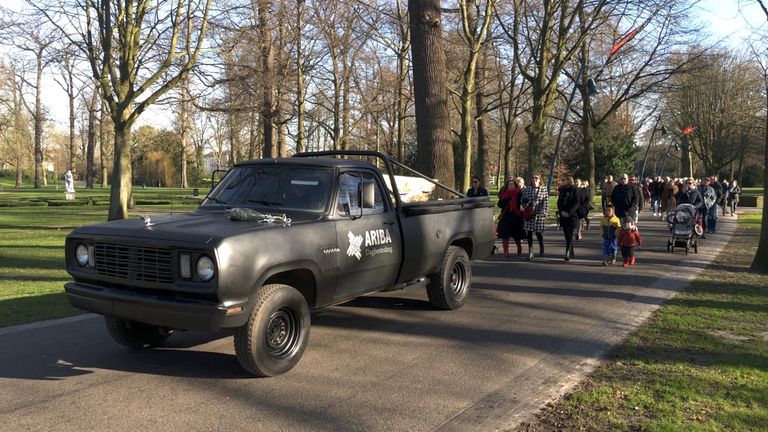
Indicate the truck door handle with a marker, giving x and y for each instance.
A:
(388, 223)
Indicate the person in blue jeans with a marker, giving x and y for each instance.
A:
(610, 226)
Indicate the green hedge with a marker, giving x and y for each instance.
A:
(63, 203)
(152, 202)
(23, 203)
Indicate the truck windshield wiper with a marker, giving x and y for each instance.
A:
(265, 202)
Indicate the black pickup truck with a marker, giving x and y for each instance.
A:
(274, 239)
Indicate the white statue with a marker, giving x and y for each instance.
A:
(69, 182)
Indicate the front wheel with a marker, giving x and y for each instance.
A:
(448, 289)
(273, 340)
(134, 334)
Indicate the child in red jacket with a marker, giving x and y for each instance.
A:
(629, 238)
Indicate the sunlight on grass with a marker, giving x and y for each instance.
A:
(699, 364)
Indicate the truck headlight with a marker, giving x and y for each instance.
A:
(205, 268)
(81, 255)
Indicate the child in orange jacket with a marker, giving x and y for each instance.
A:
(629, 239)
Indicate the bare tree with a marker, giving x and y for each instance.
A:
(34, 38)
(15, 130)
(474, 33)
(718, 98)
(545, 37)
(138, 51)
(93, 111)
(67, 67)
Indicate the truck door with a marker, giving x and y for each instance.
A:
(369, 237)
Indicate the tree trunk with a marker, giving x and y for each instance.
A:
(467, 123)
(401, 106)
(299, 79)
(72, 151)
(535, 132)
(433, 123)
(587, 118)
(760, 263)
(38, 120)
(102, 140)
(184, 123)
(19, 173)
(402, 81)
(268, 90)
(91, 147)
(120, 193)
(483, 150)
(686, 164)
(345, 105)
(336, 103)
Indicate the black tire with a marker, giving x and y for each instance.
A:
(273, 340)
(695, 247)
(134, 334)
(448, 289)
(669, 245)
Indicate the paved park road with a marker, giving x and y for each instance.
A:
(386, 362)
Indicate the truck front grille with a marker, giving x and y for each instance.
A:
(134, 262)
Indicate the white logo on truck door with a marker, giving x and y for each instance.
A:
(375, 241)
(355, 242)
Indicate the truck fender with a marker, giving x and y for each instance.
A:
(463, 240)
(301, 275)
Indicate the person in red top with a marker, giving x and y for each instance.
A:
(629, 239)
(511, 218)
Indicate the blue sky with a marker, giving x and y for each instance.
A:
(731, 19)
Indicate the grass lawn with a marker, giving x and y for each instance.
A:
(32, 274)
(699, 364)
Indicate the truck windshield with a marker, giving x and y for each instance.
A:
(283, 188)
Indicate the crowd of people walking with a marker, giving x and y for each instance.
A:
(524, 210)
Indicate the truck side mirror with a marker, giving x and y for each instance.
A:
(214, 182)
(367, 194)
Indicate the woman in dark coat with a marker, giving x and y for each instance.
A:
(511, 218)
(585, 204)
(568, 204)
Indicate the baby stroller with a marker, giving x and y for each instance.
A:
(684, 223)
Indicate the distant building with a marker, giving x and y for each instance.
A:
(216, 160)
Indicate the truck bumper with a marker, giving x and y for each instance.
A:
(151, 309)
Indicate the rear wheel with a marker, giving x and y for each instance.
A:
(448, 289)
(136, 335)
(273, 340)
(696, 247)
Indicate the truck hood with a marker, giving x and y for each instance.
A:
(201, 227)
